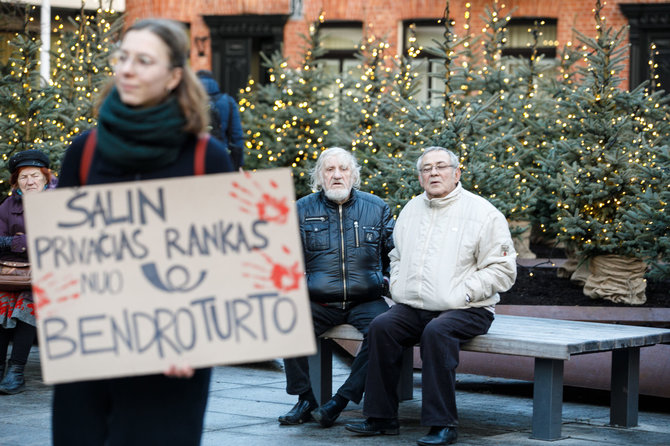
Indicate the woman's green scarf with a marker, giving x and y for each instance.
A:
(140, 139)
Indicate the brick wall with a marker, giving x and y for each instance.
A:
(383, 17)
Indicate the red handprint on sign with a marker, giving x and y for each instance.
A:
(48, 281)
(267, 208)
(281, 277)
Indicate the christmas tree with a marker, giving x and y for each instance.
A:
(504, 158)
(609, 180)
(45, 114)
(397, 138)
(82, 64)
(610, 134)
(654, 207)
(30, 113)
(547, 125)
(494, 159)
(561, 144)
(290, 119)
(455, 122)
(654, 210)
(363, 112)
(529, 116)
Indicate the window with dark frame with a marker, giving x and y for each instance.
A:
(340, 39)
(419, 34)
(520, 38)
(649, 24)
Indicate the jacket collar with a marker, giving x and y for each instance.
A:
(443, 201)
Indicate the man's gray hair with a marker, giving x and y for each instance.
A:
(345, 157)
(452, 156)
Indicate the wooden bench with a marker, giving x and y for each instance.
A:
(550, 342)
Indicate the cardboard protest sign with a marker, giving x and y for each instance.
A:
(130, 278)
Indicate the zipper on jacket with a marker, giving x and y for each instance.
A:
(344, 267)
(358, 241)
(424, 249)
(315, 218)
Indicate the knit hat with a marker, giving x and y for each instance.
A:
(25, 158)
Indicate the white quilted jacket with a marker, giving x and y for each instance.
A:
(452, 252)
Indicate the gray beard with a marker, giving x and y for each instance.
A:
(337, 195)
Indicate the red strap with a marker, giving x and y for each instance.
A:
(87, 156)
(199, 158)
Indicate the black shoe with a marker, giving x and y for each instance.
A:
(375, 426)
(13, 382)
(439, 435)
(301, 412)
(328, 413)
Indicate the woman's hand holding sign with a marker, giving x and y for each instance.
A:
(179, 372)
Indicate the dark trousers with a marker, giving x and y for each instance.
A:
(440, 335)
(142, 410)
(360, 316)
(22, 337)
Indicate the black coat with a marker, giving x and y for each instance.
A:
(346, 247)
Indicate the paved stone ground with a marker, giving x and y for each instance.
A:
(246, 400)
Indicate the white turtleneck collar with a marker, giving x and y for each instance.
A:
(443, 201)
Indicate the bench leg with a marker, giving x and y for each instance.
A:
(625, 387)
(321, 370)
(547, 399)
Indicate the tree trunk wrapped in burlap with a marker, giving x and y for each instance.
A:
(617, 278)
(581, 274)
(567, 268)
(573, 268)
(521, 231)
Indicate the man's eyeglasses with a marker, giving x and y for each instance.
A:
(440, 167)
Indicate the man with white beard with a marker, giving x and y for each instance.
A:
(346, 236)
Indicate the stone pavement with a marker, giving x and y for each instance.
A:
(246, 400)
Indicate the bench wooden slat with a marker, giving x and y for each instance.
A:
(344, 331)
(559, 339)
(545, 338)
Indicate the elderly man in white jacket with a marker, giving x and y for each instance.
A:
(453, 254)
